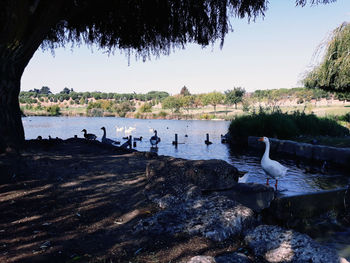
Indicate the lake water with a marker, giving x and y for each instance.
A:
(192, 147)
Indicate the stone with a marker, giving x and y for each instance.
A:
(214, 217)
(276, 244)
(285, 146)
(294, 211)
(233, 258)
(202, 259)
(252, 195)
(184, 179)
(304, 150)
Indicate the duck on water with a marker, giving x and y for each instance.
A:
(154, 139)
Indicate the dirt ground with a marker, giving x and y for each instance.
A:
(78, 201)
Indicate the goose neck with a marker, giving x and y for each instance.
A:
(267, 150)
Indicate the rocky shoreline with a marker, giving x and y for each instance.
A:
(85, 201)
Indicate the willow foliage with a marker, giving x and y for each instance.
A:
(144, 26)
(333, 73)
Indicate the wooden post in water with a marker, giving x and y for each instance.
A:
(175, 142)
(207, 142)
(130, 141)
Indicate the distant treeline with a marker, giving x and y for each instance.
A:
(101, 103)
(39, 95)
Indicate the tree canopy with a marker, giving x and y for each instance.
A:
(234, 96)
(333, 73)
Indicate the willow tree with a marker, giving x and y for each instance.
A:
(145, 27)
(333, 73)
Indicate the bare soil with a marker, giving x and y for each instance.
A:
(78, 201)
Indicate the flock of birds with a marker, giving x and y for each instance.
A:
(154, 140)
(272, 168)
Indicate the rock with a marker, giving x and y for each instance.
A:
(304, 150)
(214, 217)
(183, 179)
(233, 258)
(276, 244)
(254, 196)
(294, 211)
(227, 258)
(201, 259)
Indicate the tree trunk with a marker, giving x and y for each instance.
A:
(11, 128)
(26, 25)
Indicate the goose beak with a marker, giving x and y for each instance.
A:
(261, 139)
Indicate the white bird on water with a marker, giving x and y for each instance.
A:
(271, 167)
(129, 130)
(119, 129)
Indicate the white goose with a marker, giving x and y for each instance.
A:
(271, 167)
(119, 129)
(129, 130)
(107, 140)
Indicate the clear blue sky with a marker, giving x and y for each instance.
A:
(272, 52)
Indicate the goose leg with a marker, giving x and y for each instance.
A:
(267, 181)
(276, 184)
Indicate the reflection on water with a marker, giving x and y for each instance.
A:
(191, 137)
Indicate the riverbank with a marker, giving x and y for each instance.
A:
(78, 201)
(81, 201)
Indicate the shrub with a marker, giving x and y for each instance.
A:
(345, 117)
(146, 107)
(162, 114)
(284, 126)
(54, 110)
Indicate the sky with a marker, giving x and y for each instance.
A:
(273, 52)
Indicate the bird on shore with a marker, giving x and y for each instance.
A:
(107, 140)
(89, 136)
(154, 139)
(271, 167)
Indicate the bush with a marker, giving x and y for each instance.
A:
(54, 110)
(206, 116)
(162, 114)
(284, 126)
(345, 117)
(146, 107)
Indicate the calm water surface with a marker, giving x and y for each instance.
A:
(192, 147)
